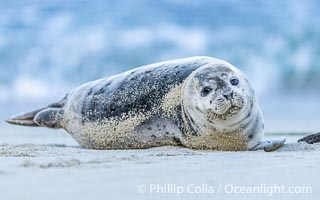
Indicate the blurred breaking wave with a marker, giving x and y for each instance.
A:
(48, 47)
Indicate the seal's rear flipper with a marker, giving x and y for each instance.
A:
(21, 122)
(311, 139)
(24, 119)
(47, 117)
(50, 117)
(269, 145)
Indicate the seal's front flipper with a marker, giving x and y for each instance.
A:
(50, 117)
(311, 139)
(269, 145)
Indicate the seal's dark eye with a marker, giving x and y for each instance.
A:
(205, 91)
(234, 81)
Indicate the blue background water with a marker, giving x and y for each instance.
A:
(49, 47)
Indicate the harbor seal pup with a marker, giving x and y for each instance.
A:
(197, 102)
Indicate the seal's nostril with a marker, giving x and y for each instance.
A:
(228, 96)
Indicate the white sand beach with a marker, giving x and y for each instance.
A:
(45, 164)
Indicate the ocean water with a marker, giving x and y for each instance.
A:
(48, 47)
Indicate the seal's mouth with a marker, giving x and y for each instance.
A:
(233, 110)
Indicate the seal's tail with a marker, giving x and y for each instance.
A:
(49, 116)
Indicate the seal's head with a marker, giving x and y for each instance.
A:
(216, 93)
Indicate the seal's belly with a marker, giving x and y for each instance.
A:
(133, 132)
